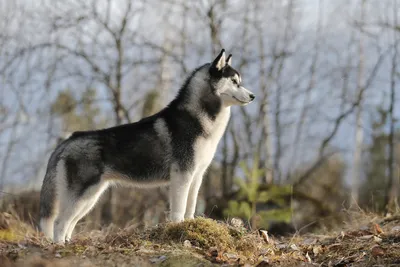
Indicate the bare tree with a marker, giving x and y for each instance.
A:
(359, 136)
(281, 56)
(311, 85)
(266, 136)
(392, 192)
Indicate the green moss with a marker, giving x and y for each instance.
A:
(201, 232)
(8, 235)
(78, 249)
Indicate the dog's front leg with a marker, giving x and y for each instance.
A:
(194, 192)
(178, 195)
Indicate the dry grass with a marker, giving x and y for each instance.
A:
(367, 241)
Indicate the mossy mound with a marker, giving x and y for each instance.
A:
(210, 235)
(201, 232)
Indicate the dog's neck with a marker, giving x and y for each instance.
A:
(196, 97)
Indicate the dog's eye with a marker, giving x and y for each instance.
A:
(235, 82)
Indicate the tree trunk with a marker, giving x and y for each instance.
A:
(359, 135)
(392, 191)
(265, 108)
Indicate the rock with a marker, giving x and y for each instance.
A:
(236, 222)
(395, 228)
(158, 259)
(231, 256)
(309, 241)
(281, 246)
(187, 244)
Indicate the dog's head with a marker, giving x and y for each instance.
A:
(227, 82)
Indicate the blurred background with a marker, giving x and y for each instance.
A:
(322, 136)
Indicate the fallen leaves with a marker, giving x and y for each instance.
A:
(317, 250)
(377, 229)
(218, 256)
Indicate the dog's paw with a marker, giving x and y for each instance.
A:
(176, 217)
(189, 217)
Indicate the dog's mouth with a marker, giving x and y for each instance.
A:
(237, 99)
(240, 101)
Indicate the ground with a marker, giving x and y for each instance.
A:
(371, 241)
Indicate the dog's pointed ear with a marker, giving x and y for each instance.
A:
(219, 62)
(229, 60)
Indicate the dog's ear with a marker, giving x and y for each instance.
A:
(219, 62)
(229, 60)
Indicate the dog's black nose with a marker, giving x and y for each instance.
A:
(252, 97)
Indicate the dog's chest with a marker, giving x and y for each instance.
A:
(205, 147)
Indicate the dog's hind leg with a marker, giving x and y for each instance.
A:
(74, 221)
(90, 198)
(69, 209)
(49, 200)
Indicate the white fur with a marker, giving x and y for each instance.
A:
(229, 61)
(162, 131)
(116, 178)
(72, 209)
(184, 187)
(194, 191)
(205, 149)
(47, 226)
(222, 61)
(178, 193)
(89, 200)
(232, 94)
(200, 80)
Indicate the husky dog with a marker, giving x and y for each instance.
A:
(173, 147)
